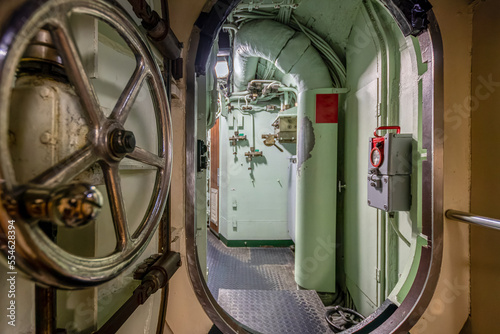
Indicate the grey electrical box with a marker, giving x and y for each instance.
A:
(389, 172)
(392, 193)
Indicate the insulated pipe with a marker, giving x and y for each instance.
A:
(293, 54)
(290, 51)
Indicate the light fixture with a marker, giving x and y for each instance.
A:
(222, 69)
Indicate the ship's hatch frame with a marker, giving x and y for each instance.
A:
(387, 319)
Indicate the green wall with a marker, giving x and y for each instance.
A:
(253, 203)
(382, 75)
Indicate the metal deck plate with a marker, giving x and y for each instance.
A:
(256, 286)
(276, 312)
(248, 268)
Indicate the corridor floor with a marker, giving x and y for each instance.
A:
(256, 286)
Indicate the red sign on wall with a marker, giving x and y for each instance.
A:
(327, 108)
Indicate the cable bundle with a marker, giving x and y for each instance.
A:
(284, 15)
(340, 318)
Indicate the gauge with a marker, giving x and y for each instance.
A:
(376, 157)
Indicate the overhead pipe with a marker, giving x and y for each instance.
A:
(292, 53)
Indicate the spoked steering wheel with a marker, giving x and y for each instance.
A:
(108, 143)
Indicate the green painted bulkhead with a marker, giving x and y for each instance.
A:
(253, 202)
(314, 192)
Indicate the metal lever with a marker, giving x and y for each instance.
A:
(270, 140)
(71, 205)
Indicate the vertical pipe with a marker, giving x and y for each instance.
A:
(316, 205)
(45, 309)
(253, 131)
(45, 298)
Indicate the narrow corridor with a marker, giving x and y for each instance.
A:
(256, 286)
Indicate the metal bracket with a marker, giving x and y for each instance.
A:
(154, 272)
(202, 162)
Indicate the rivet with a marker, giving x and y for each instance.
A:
(44, 92)
(45, 137)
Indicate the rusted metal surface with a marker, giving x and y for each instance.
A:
(306, 142)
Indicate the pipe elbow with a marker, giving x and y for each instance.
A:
(290, 51)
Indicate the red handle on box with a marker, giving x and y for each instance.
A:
(386, 128)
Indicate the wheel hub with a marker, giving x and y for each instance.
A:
(121, 142)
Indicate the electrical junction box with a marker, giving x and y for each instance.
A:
(389, 171)
(286, 126)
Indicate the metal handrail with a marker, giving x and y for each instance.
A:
(473, 219)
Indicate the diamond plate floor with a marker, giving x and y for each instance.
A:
(257, 287)
(276, 312)
(248, 268)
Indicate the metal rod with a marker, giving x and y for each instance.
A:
(473, 219)
(45, 310)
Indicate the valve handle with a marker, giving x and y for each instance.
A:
(394, 127)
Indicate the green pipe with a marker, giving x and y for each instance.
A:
(316, 209)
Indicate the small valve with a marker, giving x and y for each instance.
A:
(237, 137)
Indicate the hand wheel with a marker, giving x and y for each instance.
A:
(108, 143)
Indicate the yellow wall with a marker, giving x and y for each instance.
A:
(449, 307)
(485, 196)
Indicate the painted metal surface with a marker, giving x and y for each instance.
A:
(316, 207)
(374, 60)
(253, 201)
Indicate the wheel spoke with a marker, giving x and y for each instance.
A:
(115, 196)
(61, 34)
(147, 158)
(129, 94)
(67, 169)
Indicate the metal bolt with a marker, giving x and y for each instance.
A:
(385, 207)
(369, 203)
(385, 180)
(122, 141)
